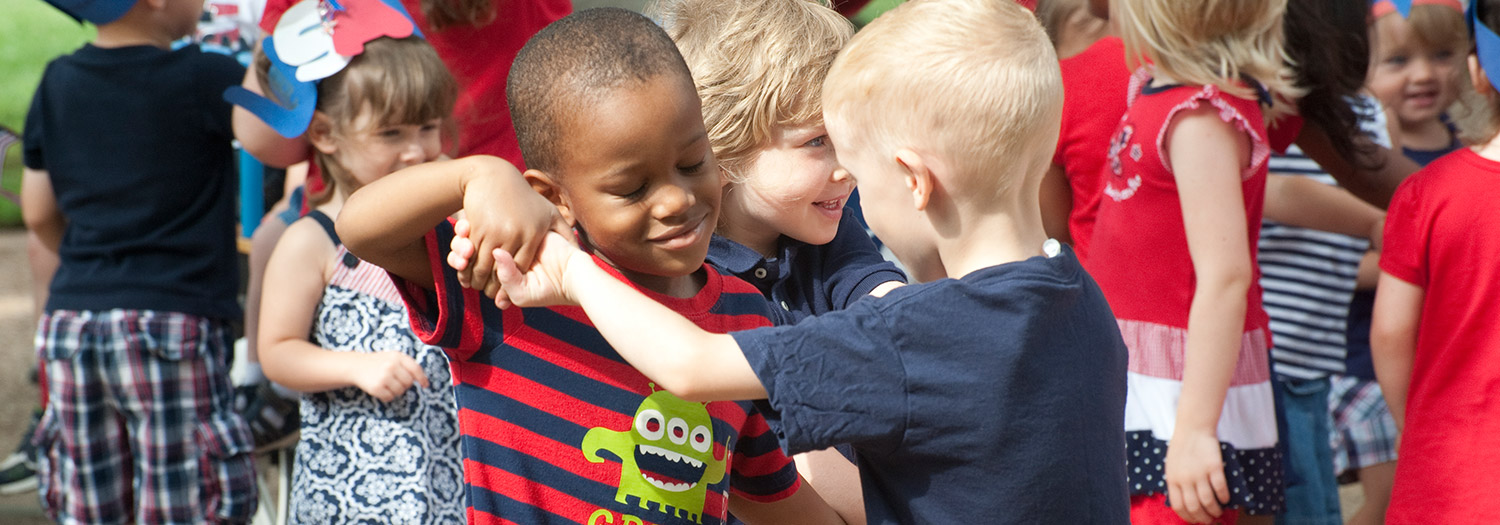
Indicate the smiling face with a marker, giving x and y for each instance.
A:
(793, 186)
(637, 176)
(1415, 79)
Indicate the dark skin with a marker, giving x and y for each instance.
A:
(636, 194)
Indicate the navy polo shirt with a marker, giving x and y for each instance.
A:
(137, 144)
(995, 398)
(805, 279)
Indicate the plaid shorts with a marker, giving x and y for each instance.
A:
(148, 393)
(1363, 432)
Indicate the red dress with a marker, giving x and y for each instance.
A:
(1140, 258)
(1095, 85)
(1443, 234)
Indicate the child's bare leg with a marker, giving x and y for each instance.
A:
(1375, 481)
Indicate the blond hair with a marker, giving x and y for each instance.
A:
(1205, 42)
(757, 64)
(974, 82)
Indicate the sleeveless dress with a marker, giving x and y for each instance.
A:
(1140, 259)
(360, 460)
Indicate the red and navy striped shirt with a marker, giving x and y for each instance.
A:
(558, 428)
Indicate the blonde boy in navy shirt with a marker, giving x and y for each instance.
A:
(984, 395)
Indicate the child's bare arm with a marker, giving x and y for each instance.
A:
(387, 221)
(258, 139)
(293, 289)
(39, 208)
(1393, 339)
(1208, 183)
(1306, 203)
(838, 479)
(805, 507)
(662, 344)
(1374, 186)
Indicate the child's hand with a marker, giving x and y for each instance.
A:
(544, 282)
(501, 211)
(1195, 476)
(387, 375)
(461, 253)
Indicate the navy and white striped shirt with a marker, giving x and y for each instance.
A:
(1308, 277)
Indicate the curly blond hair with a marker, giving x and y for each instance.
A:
(757, 65)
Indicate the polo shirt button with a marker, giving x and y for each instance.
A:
(760, 273)
(785, 307)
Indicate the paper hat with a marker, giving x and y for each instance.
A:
(1486, 45)
(97, 12)
(1380, 8)
(313, 40)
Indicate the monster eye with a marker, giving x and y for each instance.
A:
(701, 439)
(677, 430)
(648, 424)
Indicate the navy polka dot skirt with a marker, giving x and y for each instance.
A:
(1254, 475)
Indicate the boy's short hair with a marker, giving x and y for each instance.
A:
(974, 81)
(567, 66)
(757, 64)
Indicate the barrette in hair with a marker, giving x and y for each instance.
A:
(312, 40)
(1380, 8)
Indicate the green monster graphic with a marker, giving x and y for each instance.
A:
(666, 457)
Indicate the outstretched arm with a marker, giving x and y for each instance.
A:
(387, 221)
(682, 358)
(1306, 203)
(804, 507)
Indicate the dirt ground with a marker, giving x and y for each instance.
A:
(18, 396)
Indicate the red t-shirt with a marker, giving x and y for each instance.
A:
(1095, 85)
(479, 58)
(1443, 234)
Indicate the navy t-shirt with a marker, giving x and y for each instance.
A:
(136, 142)
(806, 279)
(995, 398)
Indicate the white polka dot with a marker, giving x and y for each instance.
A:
(1148, 477)
(1138, 470)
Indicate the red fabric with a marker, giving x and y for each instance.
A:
(534, 383)
(1283, 132)
(1153, 510)
(1443, 234)
(480, 59)
(1095, 85)
(1139, 252)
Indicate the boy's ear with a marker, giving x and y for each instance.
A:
(320, 133)
(156, 4)
(546, 185)
(917, 174)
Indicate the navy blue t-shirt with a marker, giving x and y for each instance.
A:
(806, 279)
(136, 142)
(995, 398)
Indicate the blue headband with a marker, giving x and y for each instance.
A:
(1486, 45)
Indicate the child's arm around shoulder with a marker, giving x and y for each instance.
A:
(386, 223)
(661, 343)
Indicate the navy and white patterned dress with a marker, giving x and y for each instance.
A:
(361, 460)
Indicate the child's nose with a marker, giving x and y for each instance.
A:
(840, 175)
(672, 199)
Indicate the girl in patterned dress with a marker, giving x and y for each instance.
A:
(379, 424)
(1174, 251)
